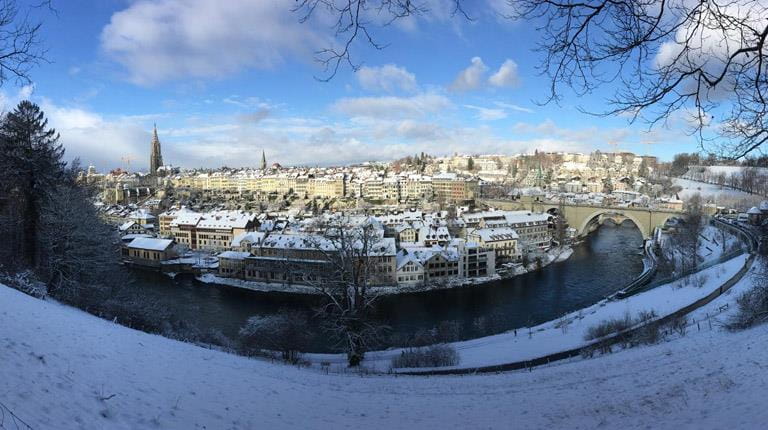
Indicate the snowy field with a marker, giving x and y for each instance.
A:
(721, 196)
(64, 369)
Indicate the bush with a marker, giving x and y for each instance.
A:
(609, 326)
(429, 356)
(699, 280)
(287, 331)
(617, 325)
(752, 308)
(679, 325)
(25, 282)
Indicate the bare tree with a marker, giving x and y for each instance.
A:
(358, 19)
(286, 331)
(20, 45)
(665, 57)
(353, 261)
(688, 238)
(668, 55)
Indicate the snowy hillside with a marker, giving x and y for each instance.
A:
(61, 368)
(715, 193)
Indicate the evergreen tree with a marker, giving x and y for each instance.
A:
(51, 224)
(643, 169)
(30, 168)
(470, 164)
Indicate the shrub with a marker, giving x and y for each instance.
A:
(679, 325)
(699, 280)
(649, 334)
(429, 356)
(287, 331)
(752, 308)
(609, 326)
(617, 325)
(25, 282)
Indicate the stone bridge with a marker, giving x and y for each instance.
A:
(584, 217)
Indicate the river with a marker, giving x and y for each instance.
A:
(602, 264)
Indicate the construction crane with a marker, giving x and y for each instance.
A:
(127, 160)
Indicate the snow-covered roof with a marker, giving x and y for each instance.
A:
(495, 234)
(754, 211)
(249, 236)
(126, 225)
(150, 243)
(234, 255)
(422, 254)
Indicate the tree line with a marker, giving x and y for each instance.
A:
(48, 221)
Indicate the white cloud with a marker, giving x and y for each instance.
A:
(470, 78)
(388, 78)
(487, 114)
(391, 106)
(171, 39)
(7, 102)
(506, 76)
(514, 107)
(95, 139)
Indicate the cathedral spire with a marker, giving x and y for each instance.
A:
(156, 157)
(263, 160)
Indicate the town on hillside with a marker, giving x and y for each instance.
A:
(448, 221)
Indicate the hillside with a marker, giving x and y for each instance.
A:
(62, 368)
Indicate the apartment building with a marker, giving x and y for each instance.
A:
(449, 188)
(503, 241)
(213, 231)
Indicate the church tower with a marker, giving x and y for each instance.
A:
(263, 160)
(156, 159)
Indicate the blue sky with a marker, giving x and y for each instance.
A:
(224, 80)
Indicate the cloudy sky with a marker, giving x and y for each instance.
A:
(225, 80)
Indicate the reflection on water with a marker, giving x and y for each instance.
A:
(606, 261)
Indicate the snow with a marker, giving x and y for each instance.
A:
(550, 337)
(713, 192)
(150, 243)
(63, 368)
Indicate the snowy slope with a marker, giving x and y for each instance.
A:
(56, 363)
(712, 192)
(550, 337)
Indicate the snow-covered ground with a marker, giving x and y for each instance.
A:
(63, 369)
(721, 196)
(567, 332)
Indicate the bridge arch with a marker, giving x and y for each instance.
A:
(644, 227)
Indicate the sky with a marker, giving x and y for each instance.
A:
(224, 80)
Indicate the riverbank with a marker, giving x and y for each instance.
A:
(63, 368)
(565, 333)
(554, 255)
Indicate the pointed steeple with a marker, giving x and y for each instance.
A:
(156, 157)
(263, 160)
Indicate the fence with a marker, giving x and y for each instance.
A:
(623, 335)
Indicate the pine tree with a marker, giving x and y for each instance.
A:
(30, 168)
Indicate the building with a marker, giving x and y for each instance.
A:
(503, 241)
(245, 241)
(304, 259)
(450, 188)
(232, 264)
(213, 231)
(156, 156)
(476, 260)
(533, 229)
(148, 252)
